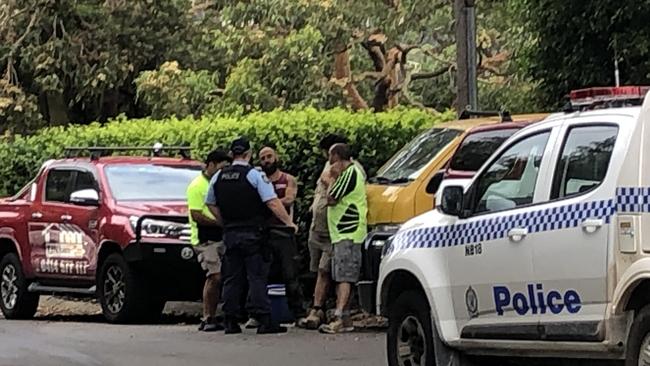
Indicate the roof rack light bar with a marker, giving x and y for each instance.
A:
(504, 114)
(98, 151)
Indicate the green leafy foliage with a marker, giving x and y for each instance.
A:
(574, 44)
(295, 133)
(171, 91)
(80, 57)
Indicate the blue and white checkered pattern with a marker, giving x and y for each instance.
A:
(628, 200)
(555, 218)
(633, 199)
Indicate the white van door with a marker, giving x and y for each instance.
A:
(570, 253)
(493, 264)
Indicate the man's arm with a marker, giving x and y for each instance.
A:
(216, 213)
(269, 197)
(202, 219)
(343, 186)
(291, 192)
(276, 206)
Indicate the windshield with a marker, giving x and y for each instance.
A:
(150, 182)
(409, 162)
(477, 148)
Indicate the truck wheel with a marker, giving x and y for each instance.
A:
(410, 338)
(16, 302)
(122, 291)
(638, 344)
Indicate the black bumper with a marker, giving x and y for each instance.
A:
(367, 285)
(172, 269)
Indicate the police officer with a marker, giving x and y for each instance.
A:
(243, 199)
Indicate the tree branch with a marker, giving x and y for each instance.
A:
(342, 77)
(430, 75)
(16, 45)
(375, 45)
(372, 75)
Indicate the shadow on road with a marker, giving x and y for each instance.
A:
(166, 319)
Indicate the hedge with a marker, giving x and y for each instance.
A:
(295, 133)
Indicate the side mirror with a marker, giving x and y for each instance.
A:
(452, 201)
(434, 183)
(85, 197)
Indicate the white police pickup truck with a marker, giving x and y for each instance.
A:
(545, 254)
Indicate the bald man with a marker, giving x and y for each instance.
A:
(284, 245)
(284, 183)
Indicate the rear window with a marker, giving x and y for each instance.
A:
(477, 148)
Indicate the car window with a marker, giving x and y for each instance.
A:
(408, 163)
(84, 180)
(509, 181)
(57, 186)
(150, 182)
(584, 160)
(477, 148)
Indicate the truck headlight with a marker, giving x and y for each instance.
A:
(387, 246)
(151, 228)
(387, 228)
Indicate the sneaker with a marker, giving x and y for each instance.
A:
(213, 326)
(337, 326)
(313, 320)
(252, 323)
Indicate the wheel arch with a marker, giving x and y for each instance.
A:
(107, 248)
(9, 245)
(396, 283)
(633, 289)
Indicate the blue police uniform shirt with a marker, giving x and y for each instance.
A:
(256, 178)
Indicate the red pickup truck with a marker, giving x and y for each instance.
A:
(105, 226)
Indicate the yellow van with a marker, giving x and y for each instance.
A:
(405, 185)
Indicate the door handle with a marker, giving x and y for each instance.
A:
(37, 215)
(517, 234)
(591, 225)
(66, 217)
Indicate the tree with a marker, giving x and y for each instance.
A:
(574, 44)
(79, 58)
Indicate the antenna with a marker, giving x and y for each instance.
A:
(617, 75)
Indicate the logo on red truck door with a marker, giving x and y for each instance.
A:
(65, 248)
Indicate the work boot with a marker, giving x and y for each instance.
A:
(315, 318)
(231, 327)
(339, 325)
(268, 327)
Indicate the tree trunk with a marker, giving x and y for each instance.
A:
(343, 78)
(57, 109)
(462, 80)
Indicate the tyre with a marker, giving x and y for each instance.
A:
(123, 293)
(15, 301)
(410, 336)
(638, 343)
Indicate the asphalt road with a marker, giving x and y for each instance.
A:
(87, 341)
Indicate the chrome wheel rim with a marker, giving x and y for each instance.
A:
(644, 352)
(114, 289)
(411, 343)
(9, 287)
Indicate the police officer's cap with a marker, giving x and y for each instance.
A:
(240, 146)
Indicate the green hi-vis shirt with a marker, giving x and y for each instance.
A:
(196, 192)
(347, 219)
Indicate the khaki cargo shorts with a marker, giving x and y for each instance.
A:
(346, 264)
(320, 251)
(209, 255)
